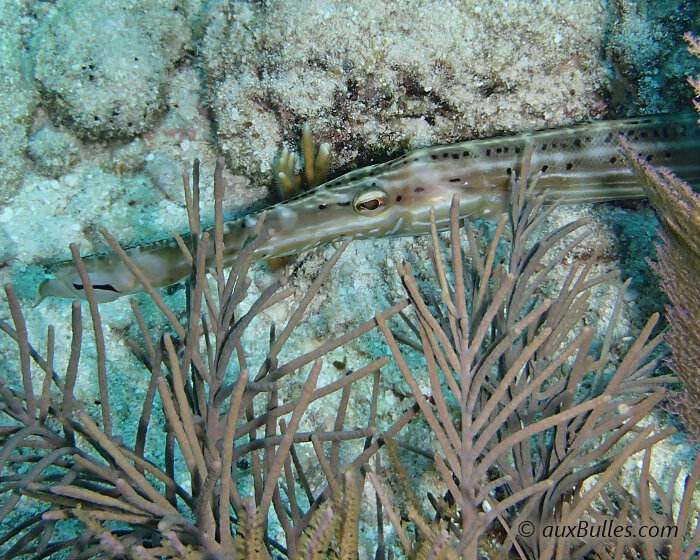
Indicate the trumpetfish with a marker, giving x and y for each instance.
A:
(577, 164)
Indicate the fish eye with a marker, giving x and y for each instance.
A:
(370, 202)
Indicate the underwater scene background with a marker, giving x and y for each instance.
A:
(280, 417)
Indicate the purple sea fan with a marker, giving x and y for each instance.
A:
(678, 266)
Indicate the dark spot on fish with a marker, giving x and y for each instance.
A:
(505, 150)
(588, 138)
(419, 189)
(465, 154)
(499, 150)
(613, 159)
(577, 142)
(433, 156)
(667, 154)
(455, 180)
(544, 168)
(569, 166)
(509, 171)
(106, 287)
(322, 206)
(517, 150)
(445, 155)
(649, 158)
(488, 152)
(608, 138)
(398, 198)
(544, 147)
(455, 156)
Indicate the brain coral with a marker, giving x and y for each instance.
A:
(103, 65)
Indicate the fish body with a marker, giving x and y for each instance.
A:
(576, 164)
